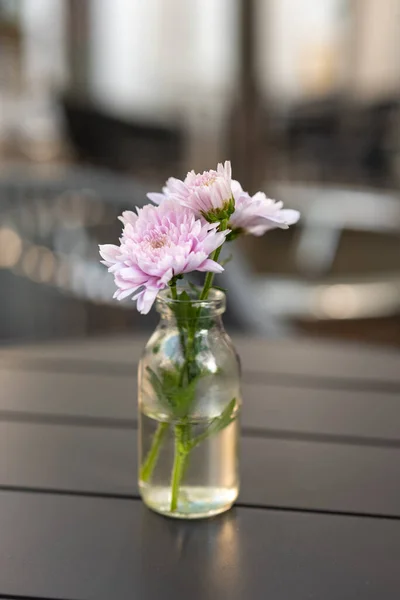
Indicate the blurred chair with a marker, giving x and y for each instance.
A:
(51, 222)
(317, 290)
(134, 147)
(337, 140)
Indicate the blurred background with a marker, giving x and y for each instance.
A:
(102, 100)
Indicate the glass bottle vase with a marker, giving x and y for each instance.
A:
(189, 407)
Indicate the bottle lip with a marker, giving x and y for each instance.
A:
(214, 305)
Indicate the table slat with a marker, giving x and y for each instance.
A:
(274, 410)
(296, 474)
(297, 357)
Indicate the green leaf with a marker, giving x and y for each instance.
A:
(211, 217)
(184, 397)
(231, 206)
(221, 289)
(184, 296)
(171, 393)
(194, 288)
(234, 234)
(225, 418)
(157, 386)
(184, 310)
(218, 424)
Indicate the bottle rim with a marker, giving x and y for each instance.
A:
(213, 306)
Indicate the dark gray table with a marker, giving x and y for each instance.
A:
(319, 511)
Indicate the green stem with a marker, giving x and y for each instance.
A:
(210, 276)
(192, 326)
(174, 293)
(178, 469)
(149, 464)
(187, 354)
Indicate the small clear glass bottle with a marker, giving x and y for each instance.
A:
(189, 406)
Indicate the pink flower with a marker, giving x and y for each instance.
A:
(257, 214)
(158, 243)
(208, 194)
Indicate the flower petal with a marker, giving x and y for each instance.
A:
(110, 253)
(155, 197)
(210, 265)
(146, 299)
(290, 216)
(258, 214)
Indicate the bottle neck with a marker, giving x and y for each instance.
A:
(203, 322)
(191, 314)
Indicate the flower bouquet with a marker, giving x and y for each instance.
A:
(189, 377)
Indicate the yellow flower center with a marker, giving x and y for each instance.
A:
(210, 181)
(159, 242)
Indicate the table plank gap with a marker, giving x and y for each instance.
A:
(239, 504)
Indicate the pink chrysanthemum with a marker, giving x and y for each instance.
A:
(257, 214)
(208, 194)
(158, 243)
